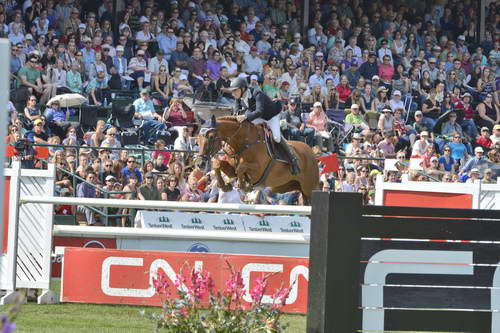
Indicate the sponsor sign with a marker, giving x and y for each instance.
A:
(125, 276)
(427, 199)
(96, 243)
(222, 222)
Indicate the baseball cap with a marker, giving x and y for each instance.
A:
(355, 106)
(191, 4)
(28, 37)
(387, 110)
(144, 91)
(478, 150)
(424, 133)
(354, 63)
(497, 126)
(397, 93)
(82, 26)
(485, 129)
(372, 54)
(357, 136)
(183, 77)
(319, 54)
(375, 77)
(140, 52)
(297, 35)
(434, 158)
(419, 113)
(253, 48)
(461, 37)
(432, 60)
(283, 83)
(317, 104)
(474, 170)
(38, 121)
(149, 175)
(120, 48)
(110, 177)
(253, 77)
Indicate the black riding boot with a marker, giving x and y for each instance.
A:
(292, 159)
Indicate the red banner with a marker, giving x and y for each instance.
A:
(96, 243)
(124, 276)
(427, 199)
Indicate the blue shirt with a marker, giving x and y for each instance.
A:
(85, 190)
(55, 115)
(144, 106)
(457, 150)
(166, 44)
(126, 172)
(447, 166)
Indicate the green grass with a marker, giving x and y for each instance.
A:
(92, 318)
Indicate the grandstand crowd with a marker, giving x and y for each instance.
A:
(400, 88)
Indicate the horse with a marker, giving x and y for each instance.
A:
(250, 161)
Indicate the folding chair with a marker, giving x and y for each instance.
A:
(87, 118)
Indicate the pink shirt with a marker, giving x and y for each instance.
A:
(386, 72)
(318, 121)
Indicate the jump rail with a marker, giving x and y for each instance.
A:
(172, 205)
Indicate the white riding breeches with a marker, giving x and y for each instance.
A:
(273, 124)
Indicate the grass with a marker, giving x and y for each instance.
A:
(92, 318)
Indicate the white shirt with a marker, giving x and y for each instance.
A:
(231, 69)
(142, 36)
(294, 87)
(383, 52)
(356, 51)
(315, 79)
(242, 46)
(494, 139)
(232, 196)
(154, 65)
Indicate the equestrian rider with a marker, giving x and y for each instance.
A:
(255, 106)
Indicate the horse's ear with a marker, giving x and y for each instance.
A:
(213, 122)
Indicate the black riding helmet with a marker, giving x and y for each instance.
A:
(239, 83)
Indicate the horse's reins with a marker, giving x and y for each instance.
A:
(244, 147)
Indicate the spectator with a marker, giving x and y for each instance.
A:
(98, 89)
(148, 191)
(144, 109)
(293, 124)
(137, 69)
(86, 189)
(484, 140)
(474, 162)
(112, 142)
(489, 113)
(495, 137)
(319, 122)
(131, 169)
(356, 119)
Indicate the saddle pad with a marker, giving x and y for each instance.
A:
(273, 149)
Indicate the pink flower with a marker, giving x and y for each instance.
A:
(258, 290)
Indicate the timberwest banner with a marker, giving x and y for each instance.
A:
(125, 277)
(222, 222)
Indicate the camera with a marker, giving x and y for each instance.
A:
(21, 145)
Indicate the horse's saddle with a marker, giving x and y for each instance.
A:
(273, 149)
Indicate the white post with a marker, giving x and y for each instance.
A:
(15, 187)
(4, 99)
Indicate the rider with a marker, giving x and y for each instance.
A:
(255, 106)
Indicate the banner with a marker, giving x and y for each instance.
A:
(222, 222)
(125, 277)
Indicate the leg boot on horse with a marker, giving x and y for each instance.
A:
(290, 155)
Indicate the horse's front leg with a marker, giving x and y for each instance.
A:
(216, 166)
(243, 179)
(228, 169)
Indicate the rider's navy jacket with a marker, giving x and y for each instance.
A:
(259, 105)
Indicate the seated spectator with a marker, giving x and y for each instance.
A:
(207, 91)
(319, 122)
(446, 161)
(86, 190)
(130, 169)
(396, 102)
(112, 142)
(458, 149)
(37, 134)
(495, 137)
(293, 125)
(138, 68)
(32, 112)
(386, 121)
(145, 110)
(175, 113)
(431, 110)
(160, 85)
(31, 80)
(488, 177)
(357, 120)
(192, 193)
(57, 119)
(74, 80)
(420, 146)
(468, 124)
(171, 192)
(98, 89)
(489, 112)
(474, 162)
(386, 146)
(148, 190)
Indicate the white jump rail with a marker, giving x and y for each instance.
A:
(170, 205)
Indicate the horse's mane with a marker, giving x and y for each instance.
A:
(230, 118)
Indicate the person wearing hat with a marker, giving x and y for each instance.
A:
(488, 177)
(138, 67)
(386, 120)
(157, 61)
(474, 162)
(120, 63)
(484, 140)
(432, 68)
(396, 101)
(252, 62)
(37, 134)
(356, 119)
(255, 106)
(352, 73)
(474, 175)
(148, 190)
(317, 77)
(369, 68)
(293, 125)
(207, 91)
(57, 119)
(420, 146)
(495, 137)
(468, 124)
(145, 111)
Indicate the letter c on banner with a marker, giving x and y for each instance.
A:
(294, 278)
(122, 292)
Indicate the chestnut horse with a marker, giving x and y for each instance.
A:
(250, 161)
